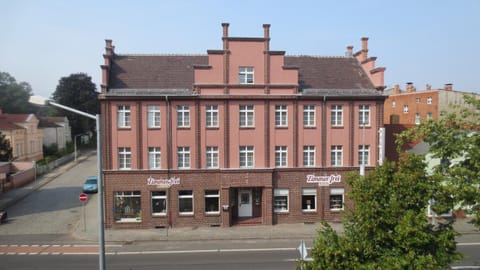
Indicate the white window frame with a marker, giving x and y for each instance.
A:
(309, 156)
(336, 155)
(279, 206)
(123, 115)
(161, 196)
(309, 115)
(429, 100)
(281, 116)
(153, 116)
(211, 119)
(246, 156)
(364, 155)
(246, 75)
(212, 157)
(183, 197)
(183, 116)
(405, 108)
(124, 158)
(336, 192)
(364, 115)
(212, 195)
(309, 192)
(429, 115)
(394, 104)
(281, 156)
(336, 112)
(417, 119)
(246, 116)
(154, 158)
(183, 157)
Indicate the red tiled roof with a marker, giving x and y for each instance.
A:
(176, 72)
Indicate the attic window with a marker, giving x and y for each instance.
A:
(245, 75)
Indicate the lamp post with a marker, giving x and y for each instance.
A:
(75, 145)
(38, 100)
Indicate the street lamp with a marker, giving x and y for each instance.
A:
(75, 145)
(38, 100)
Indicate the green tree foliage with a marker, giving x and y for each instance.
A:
(14, 95)
(388, 227)
(6, 153)
(455, 141)
(79, 92)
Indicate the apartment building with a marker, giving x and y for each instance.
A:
(243, 134)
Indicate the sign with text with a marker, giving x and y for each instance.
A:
(324, 180)
(164, 182)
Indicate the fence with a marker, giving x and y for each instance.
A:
(43, 169)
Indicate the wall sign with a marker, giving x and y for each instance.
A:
(324, 180)
(167, 182)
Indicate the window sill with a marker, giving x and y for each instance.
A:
(213, 128)
(128, 220)
(309, 127)
(186, 214)
(338, 127)
(311, 211)
(252, 127)
(124, 128)
(154, 128)
(159, 215)
(336, 209)
(281, 127)
(183, 128)
(281, 212)
(212, 214)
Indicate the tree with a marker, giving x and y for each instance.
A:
(79, 92)
(387, 228)
(14, 96)
(6, 153)
(455, 141)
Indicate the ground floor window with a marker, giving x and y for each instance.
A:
(212, 201)
(336, 198)
(280, 201)
(159, 203)
(309, 199)
(127, 206)
(185, 202)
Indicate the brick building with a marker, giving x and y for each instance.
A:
(243, 134)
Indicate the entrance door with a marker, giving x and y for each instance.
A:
(245, 203)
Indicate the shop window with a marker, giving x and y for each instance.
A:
(280, 201)
(185, 202)
(212, 201)
(309, 199)
(159, 203)
(336, 198)
(127, 206)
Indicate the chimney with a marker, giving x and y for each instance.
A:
(266, 31)
(410, 87)
(448, 87)
(364, 48)
(396, 89)
(349, 52)
(225, 36)
(428, 87)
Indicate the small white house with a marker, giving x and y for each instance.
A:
(56, 130)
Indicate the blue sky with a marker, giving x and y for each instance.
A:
(425, 42)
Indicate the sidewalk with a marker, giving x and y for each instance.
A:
(89, 231)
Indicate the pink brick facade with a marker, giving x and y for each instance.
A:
(244, 134)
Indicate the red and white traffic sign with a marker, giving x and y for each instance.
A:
(83, 197)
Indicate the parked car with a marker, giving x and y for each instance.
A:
(90, 185)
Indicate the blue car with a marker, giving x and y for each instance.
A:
(90, 185)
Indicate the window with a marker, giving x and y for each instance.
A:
(280, 156)
(153, 116)
(405, 108)
(159, 203)
(363, 155)
(183, 116)
(246, 75)
(336, 152)
(154, 158)
(429, 100)
(246, 156)
(309, 199)
(246, 116)
(364, 115)
(336, 199)
(212, 115)
(429, 115)
(280, 200)
(123, 116)
(308, 156)
(281, 116)
(309, 115)
(394, 104)
(127, 206)
(417, 119)
(183, 157)
(337, 115)
(124, 158)
(212, 201)
(417, 100)
(212, 156)
(185, 202)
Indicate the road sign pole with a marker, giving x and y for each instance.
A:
(84, 218)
